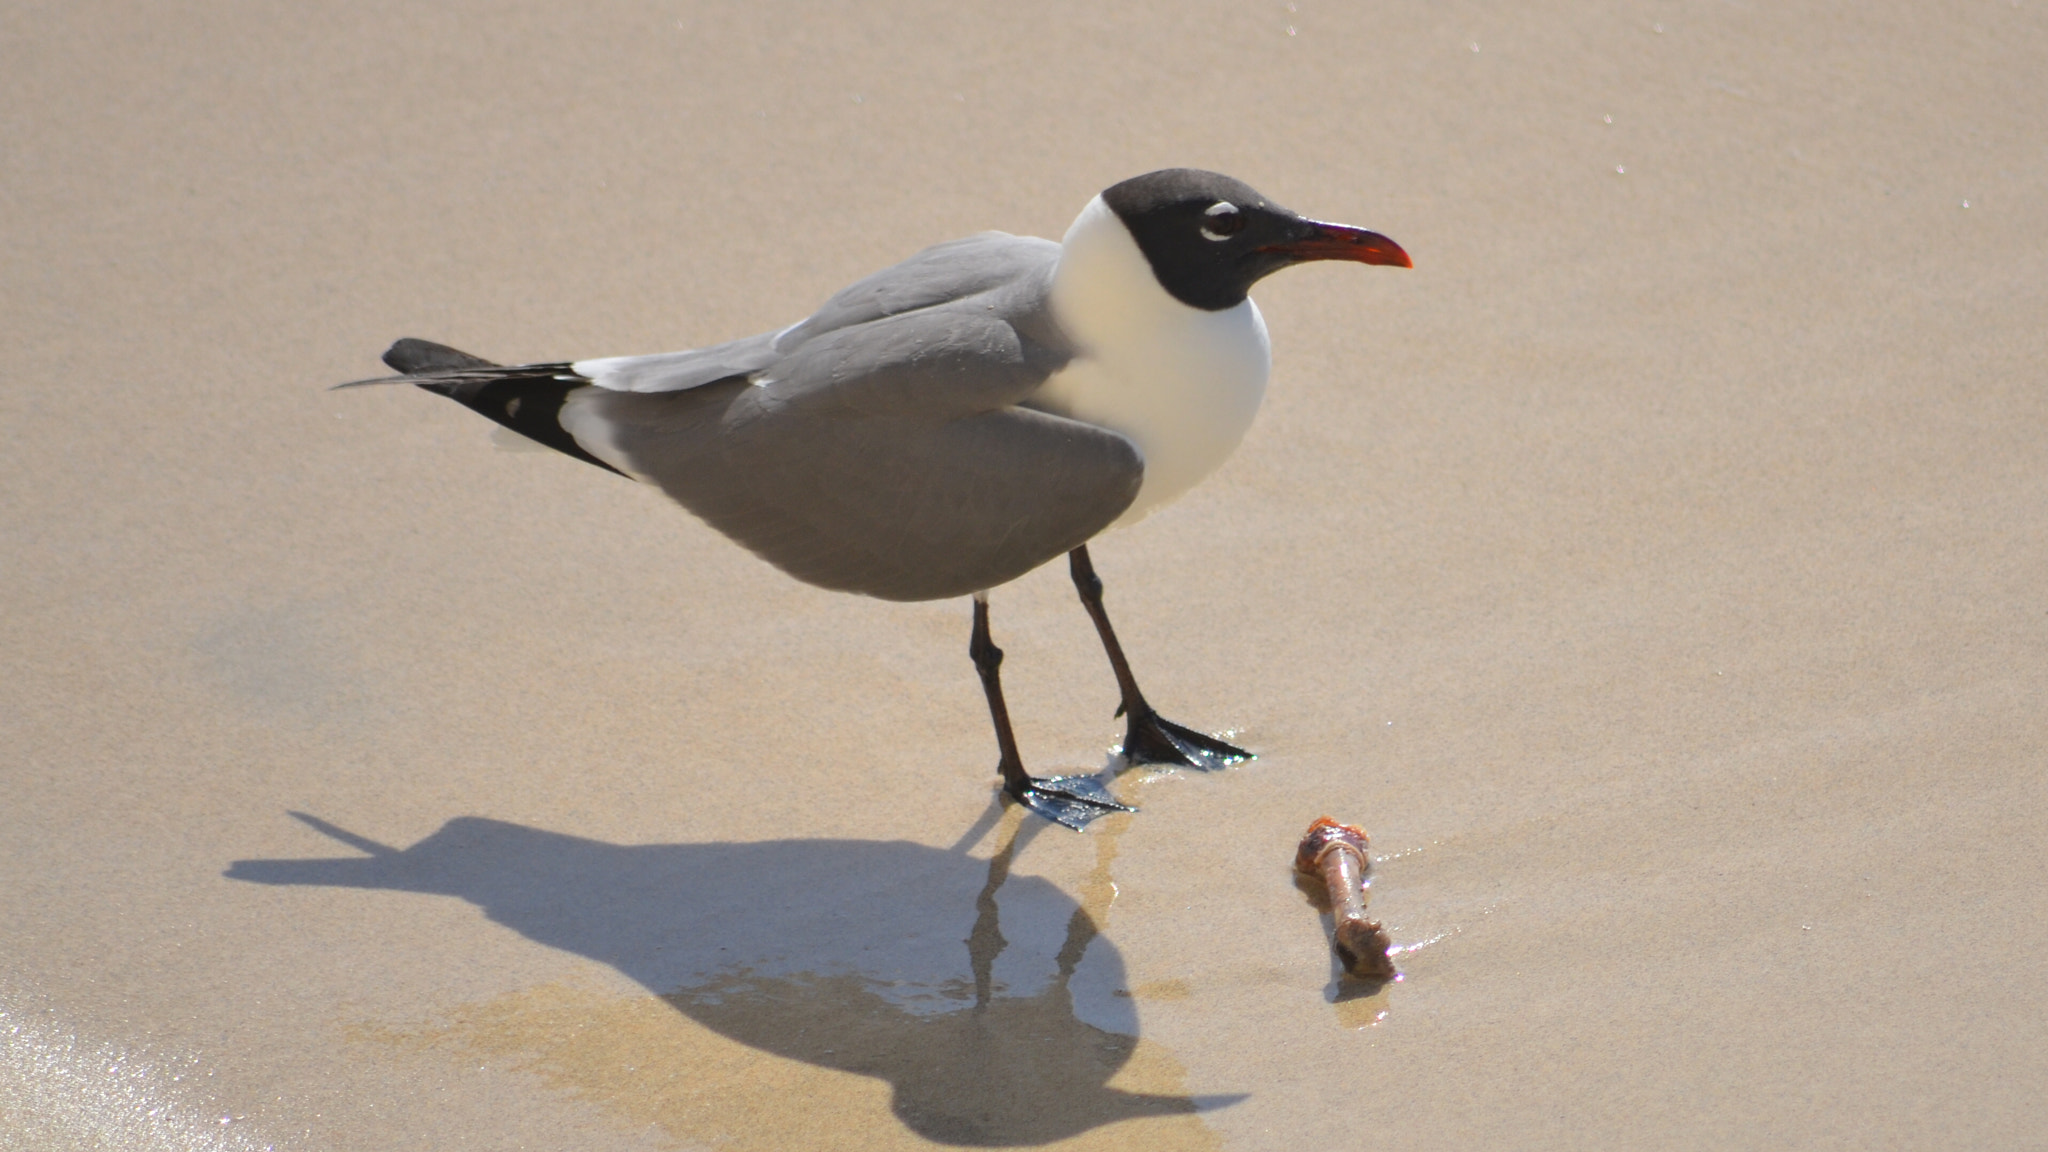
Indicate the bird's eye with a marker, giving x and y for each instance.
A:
(1222, 221)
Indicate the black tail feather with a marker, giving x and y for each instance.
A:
(527, 398)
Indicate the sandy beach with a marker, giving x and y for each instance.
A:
(1659, 571)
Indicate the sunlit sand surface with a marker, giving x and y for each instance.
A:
(1656, 571)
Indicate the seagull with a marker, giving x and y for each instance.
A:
(950, 423)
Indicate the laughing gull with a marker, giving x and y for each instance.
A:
(950, 423)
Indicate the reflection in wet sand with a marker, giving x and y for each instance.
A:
(651, 1067)
(1361, 1005)
(838, 966)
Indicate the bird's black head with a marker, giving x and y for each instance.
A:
(1210, 238)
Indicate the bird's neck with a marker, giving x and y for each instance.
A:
(1182, 383)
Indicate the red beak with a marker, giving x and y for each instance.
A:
(1340, 242)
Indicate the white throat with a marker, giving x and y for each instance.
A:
(1181, 383)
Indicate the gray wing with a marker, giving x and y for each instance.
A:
(884, 457)
(993, 264)
(675, 371)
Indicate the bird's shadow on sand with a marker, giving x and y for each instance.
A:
(991, 1003)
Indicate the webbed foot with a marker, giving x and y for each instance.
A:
(1073, 801)
(1153, 739)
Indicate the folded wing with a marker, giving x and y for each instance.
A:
(876, 447)
(887, 458)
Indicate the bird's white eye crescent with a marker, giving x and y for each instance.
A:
(1222, 221)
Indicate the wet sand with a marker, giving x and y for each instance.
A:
(1659, 571)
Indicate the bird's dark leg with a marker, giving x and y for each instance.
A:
(988, 662)
(1069, 800)
(1150, 738)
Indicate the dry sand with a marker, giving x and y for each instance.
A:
(1660, 571)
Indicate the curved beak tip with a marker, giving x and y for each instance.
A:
(1373, 248)
(1343, 242)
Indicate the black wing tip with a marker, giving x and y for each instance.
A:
(413, 356)
(527, 398)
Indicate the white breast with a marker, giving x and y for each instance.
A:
(1182, 383)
